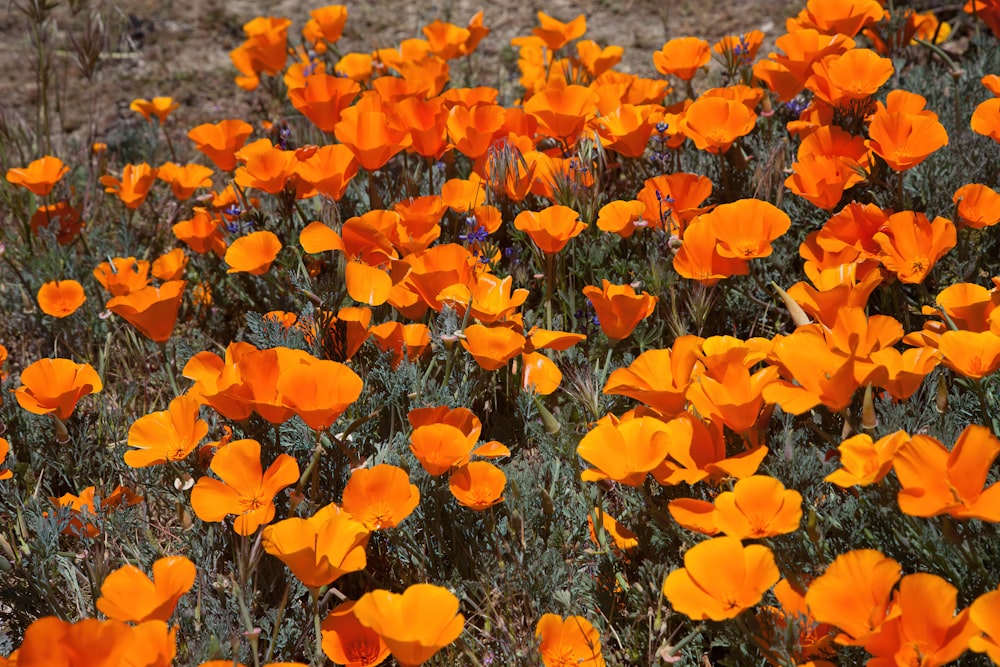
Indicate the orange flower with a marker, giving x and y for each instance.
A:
(658, 378)
(123, 275)
(985, 119)
(758, 506)
(151, 310)
(347, 642)
(371, 135)
(970, 354)
(562, 113)
(843, 17)
(4, 451)
(185, 179)
(440, 447)
(849, 78)
(167, 435)
(627, 451)
(682, 57)
(854, 594)
(540, 374)
(477, 485)
(720, 579)
(84, 505)
(319, 391)
(984, 613)
(329, 170)
(619, 309)
(557, 34)
(551, 228)
(904, 140)
(492, 347)
(821, 375)
(621, 217)
(714, 123)
(323, 98)
(127, 594)
(622, 537)
(220, 141)
(381, 496)
(924, 627)
(245, 490)
(61, 217)
(61, 298)
(570, 641)
(864, 462)
(745, 228)
(40, 176)
(977, 205)
(320, 549)
(935, 481)
(414, 625)
(673, 200)
(471, 130)
(265, 166)
(92, 643)
(202, 232)
(135, 184)
(490, 300)
(54, 386)
(699, 259)
(264, 51)
(161, 107)
(170, 265)
(911, 244)
(408, 341)
(325, 24)
(253, 253)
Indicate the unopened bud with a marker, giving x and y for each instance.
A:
(941, 400)
(868, 419)
(795, 311)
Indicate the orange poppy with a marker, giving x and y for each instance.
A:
(659, 378)
(408, 341)
(811, 639)
(253, 253)
(492, 347)
(347, 642)
(911, 244)
(329, 170)
(85, 505)
(441, 446)
(127, 594)
(904, 140)
(160, 107)
(977, 205)
(320, 549)
(682, 57)
(170, 265)
(380, 497)
(220, 141)
(94, 643)
(40, 176)
(984, 613)
(54, 386)
(322, 98)
(4, 451)
(245, 490)
(562, 113)
(202, 232)
(935, 481)
(786, 73)
(471, 130)
(185, 179)
(540, 375)
(557, 34)
(854, 594)
(568, 641)
(265, 167)
(122, 275)
(623, 538)
(714, 123)
(151, 310)
(720, 579)
(622, 217)
(851, 77)
(325, 26)
(489, 300)
(264, 51)
(319, 391)
(923, 625)
(699, 258)
(61, 298)
(477, 485)
(627, 451)
(673, 200)
(843, 17)
(167, 435)
(864, 462)
(970, 354)
(745, 228)
(985, 119)
(821, 375)
(62, 218)
(597, 60)
(136, 182)
(551, 228)
(373, 137)
(758, 506)
(414, 625)
(739, 50)
(619, 309)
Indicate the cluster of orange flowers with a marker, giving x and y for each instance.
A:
(696, 396)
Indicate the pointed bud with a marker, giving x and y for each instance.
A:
(549, 422)
(868, 419)
(795, 311)
(941, 400)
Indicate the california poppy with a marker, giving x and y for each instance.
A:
(133, 187)
(121, 275)
(415, 624)
(627, 451)
(621, 537)
(477, 485)
(54, 386)
(673, 200)
(40, 176)
(568, 641)
(185, 179)
(53, 641)
(699, 258)
(851, 77)
(329, 170)
(245, 490)
(202, 232)
(160, 107)
(660, 377)
(265, 167)
(977, 205)
(619, 309)
(492, 347)
(440, 447)
(371, 135)
(220, 141)
(984, 613)
(61, 217)
(970, 354)
(323, 97)
(151, 310)
(4, 451)
(381, 496)
(682, 57)
(265, 50)
(320, 549)
(904, 140)
(347, 642)
(746, 227)
(127, 594)
(319, 391)
(854, 594)
(61, 298)
(562, 113)
(714, 123)
(170, 265)
(758, 506)
(253, 253)
(551, 228)
(911, 244)
(864, 462)
(167, 435)
(720, 579)
(622, 217)
(985, 119)
(935, 481)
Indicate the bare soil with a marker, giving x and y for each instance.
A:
(180, 48)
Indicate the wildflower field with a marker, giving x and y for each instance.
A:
(418, 364)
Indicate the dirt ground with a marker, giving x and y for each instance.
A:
(180, 48)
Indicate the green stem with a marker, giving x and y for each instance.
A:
(318, 657)
(168, 366)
